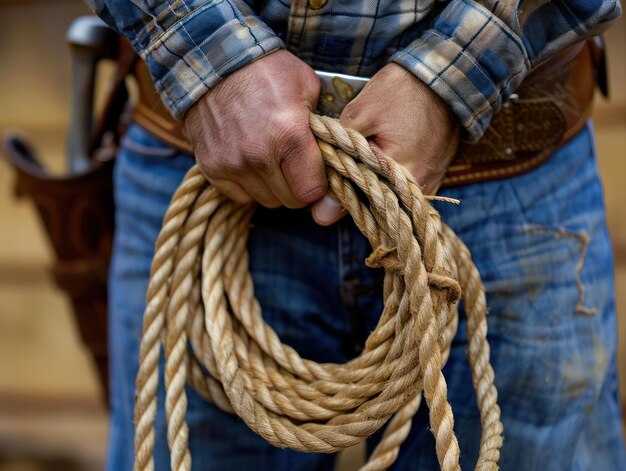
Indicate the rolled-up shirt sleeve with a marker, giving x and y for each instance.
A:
(477, 53)
(189, 45)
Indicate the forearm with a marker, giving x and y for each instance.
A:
(478, 52)
(189, 46)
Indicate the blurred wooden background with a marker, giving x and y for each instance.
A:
(49, 400)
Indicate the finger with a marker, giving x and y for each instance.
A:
(232, 190)
(303, 168)
(263, 179)
(259, 190)
(278, 186)
(328, 210)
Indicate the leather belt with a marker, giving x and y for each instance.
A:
(549, 108)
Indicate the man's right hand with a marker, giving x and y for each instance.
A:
(251, 134)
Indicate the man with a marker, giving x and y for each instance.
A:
(240, 76)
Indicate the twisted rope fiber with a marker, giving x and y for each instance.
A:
(201, 307)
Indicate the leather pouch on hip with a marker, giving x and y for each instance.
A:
(76, 208)
(77, 216)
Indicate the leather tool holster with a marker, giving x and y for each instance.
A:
(76, 208)
(77, 216)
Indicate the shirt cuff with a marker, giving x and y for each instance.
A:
(196, 52)
(471, 59)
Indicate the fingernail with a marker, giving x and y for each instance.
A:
(327, 210)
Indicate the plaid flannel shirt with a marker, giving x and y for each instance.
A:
(473, 54)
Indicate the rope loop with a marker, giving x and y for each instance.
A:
(202, 310)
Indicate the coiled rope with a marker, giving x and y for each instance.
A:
(201, 307)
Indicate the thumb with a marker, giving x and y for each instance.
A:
(328, 210)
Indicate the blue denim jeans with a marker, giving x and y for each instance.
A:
(542, 247)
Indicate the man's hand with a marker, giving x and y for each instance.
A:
(251, 134)
(408, 122)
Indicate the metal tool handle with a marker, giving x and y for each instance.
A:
(90, 40)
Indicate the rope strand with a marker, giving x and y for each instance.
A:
(201, 307)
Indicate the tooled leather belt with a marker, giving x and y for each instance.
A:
(549, 108)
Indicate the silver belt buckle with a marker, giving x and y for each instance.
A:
(336, 92)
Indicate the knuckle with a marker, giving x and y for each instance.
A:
(307, 192)
(255, 156)
(210, 168)
(290, 137)
(233, 167)
(297, 135)
(260, 163)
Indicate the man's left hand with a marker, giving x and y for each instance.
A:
(406, 121)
